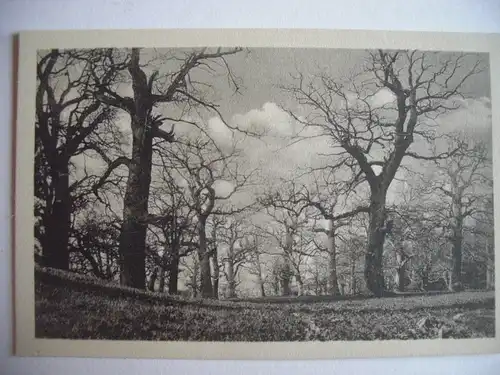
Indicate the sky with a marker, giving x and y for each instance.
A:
(260, 102)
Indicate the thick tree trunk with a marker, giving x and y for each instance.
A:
(204, 256)
(374, 275)
(333, 286)
(215, 265)
(135, 208)
(55, 250)
(135, 211)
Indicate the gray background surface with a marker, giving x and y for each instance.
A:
(17, 15)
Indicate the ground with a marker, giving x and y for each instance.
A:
(72, 306)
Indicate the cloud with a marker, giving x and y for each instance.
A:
(270, 119)
(382, 97)
(473, 117)
(223, 188)
(219, 131)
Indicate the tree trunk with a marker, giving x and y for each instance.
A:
(425, 277)
(316, 282)
(204, 256)
(161, 277)
(173, 272)
(490, 280)
(276, 285)
(215, 265)
(135, 211)
(152, 280)
(333, 286)
(456, 255)
(286, 273)
(300, 284)
(260, 280)
(374, 274)
(353, 277)
(230, 278)
(194, 277)
(400, 276)
(55, 250)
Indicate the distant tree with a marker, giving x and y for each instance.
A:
(461, 184)
(326, 195)
(289, 229)
(191, 265)
(172, 223)
(352, 249)
(255, 261)
(238, 243)
(201, 165)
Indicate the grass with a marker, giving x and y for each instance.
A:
(77, 307)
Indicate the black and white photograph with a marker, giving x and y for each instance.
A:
(261, 194)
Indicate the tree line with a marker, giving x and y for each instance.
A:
(124, 191)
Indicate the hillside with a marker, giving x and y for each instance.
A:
(78, 307)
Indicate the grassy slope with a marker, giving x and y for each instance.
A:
(72, 306)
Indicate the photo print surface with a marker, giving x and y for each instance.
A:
(262, 195)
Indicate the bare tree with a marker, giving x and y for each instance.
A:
(235, 237)
(479, 251)
(289, 223)
(93, 246)
(351, 250)
(400, 256)
(418, 244)
(214, 241)
(201, 165)
(461, 184)
(191, 266)
(67, 118)
(366, 133)
(329, 195)
(256, 262)
(175, 87)
(174, 218)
